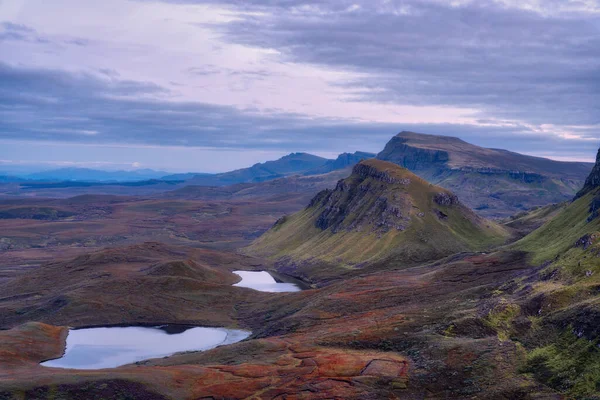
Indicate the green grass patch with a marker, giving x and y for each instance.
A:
(558, 235)
(570, 365)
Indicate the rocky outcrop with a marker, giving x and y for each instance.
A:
(358, 202)
(445, 199)
(592, 183)
(594, 208)
(587, 240)
(367, 171)
(593, 180)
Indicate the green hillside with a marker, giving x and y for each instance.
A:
(380, 211)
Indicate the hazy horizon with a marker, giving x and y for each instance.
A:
(215, 85)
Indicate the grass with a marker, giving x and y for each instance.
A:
(570, 365)
(557, 236)
(502, 317)
(357, 235)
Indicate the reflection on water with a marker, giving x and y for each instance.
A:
(264, 282)
(97, 348)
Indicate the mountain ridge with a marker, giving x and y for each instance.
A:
(481, 177)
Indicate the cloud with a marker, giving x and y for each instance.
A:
(297, 75)
(48, 105)
(23, 33)
(531, 61)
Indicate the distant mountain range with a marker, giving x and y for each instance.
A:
(292, 164)
(94, 175)
(496, 183)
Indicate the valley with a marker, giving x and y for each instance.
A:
(359, 278)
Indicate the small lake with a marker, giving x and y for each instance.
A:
(110, 347)
(264, 282)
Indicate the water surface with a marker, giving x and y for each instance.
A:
(97, 348)
(264, 282)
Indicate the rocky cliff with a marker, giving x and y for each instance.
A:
(593, 180)
(496, 183)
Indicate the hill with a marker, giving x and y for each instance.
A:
(554, 310)
(294, 163)
(496, 183)
(380, 211)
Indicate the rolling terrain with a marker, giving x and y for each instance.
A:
(38, 230)
(411, 294)
(495, 183)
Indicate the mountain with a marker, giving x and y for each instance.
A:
(294, 163)
(380, 211)
(497, 183)
(343, 161)
(183, 176)
(93, 175)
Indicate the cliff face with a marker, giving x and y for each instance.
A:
(593, 180)
(415, 159)
(496, 183)
(364, 203)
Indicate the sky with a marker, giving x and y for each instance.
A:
(210, 86)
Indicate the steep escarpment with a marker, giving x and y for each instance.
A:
(496, 183)
(380, 211)
(593, 181)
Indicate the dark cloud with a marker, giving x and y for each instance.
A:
(16, 32)
(510, 63)
(249, 74)
(22, 33)
(48, 105)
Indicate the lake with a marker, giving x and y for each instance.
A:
(110, 347)
(264, 282)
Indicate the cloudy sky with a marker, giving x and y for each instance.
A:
(215, 85)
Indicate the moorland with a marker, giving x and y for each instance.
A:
(431, 271)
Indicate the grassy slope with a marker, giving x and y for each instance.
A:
(562, 341)
(560, 234)
(528, 221)
(427, 237)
